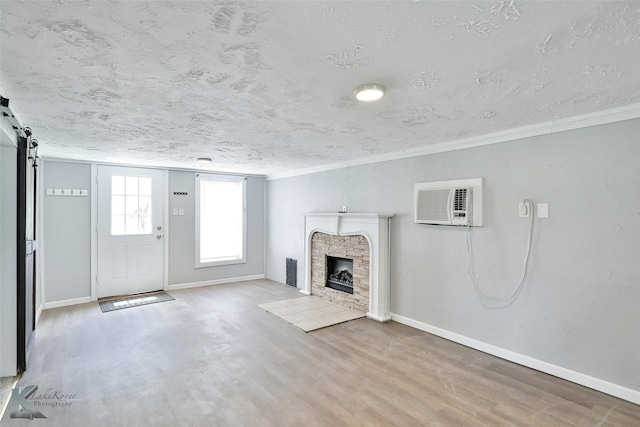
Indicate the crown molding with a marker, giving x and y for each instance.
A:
(140, 166)
(612, 115)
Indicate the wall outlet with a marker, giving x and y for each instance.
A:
(523, 210)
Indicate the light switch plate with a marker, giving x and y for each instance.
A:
(542, 210)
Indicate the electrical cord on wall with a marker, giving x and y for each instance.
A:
(529, 204)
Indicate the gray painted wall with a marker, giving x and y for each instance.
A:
(579, 307)
(8, 261)
(67, 233)
(182, 233)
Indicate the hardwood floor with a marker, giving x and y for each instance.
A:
(213, 358)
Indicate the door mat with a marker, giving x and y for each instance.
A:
(134, 301)
(311, 313)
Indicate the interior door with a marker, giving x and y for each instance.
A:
(130, 230)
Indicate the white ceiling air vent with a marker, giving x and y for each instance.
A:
(457, 202)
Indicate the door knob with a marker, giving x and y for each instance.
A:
(159, 236)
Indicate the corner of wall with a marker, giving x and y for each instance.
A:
(8, 264)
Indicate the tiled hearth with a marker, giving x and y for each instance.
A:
(363, 237)
(310, 313)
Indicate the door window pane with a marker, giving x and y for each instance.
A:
(131, 205)
(132, 185)
(117, 205)
(144, 205)
(131, 225)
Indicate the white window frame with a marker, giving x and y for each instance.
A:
(229, 178)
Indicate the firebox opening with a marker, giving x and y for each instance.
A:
(340, 274)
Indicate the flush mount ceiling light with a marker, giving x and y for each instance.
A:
(369, 92)
(204, 159)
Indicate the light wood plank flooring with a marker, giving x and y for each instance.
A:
(213, 358)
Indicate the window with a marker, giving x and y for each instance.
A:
(221, 220)
(130, 205)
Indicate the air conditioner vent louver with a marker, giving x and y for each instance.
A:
(456, 202)
(460, 199)
(433, 204)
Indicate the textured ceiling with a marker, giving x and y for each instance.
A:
(266, 87)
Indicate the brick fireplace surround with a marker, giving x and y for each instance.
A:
(350, 235)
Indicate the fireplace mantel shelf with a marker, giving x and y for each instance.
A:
(375, 227)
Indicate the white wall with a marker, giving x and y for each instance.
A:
(8, 260)
(579, 307)
(182, 234)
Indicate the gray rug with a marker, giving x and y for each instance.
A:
(134, 301)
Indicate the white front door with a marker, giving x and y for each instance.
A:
(130, 230)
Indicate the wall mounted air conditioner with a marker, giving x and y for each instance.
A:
(455, 202)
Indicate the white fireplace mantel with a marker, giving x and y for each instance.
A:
(375, 227)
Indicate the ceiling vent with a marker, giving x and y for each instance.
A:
(457, 202)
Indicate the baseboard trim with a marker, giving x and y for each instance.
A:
(214, 282)
(66, 302)
(39, 313)
(539, 365)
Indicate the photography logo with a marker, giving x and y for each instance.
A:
(20, 407)
(24, 403)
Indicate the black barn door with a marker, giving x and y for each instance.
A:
(27, 247)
